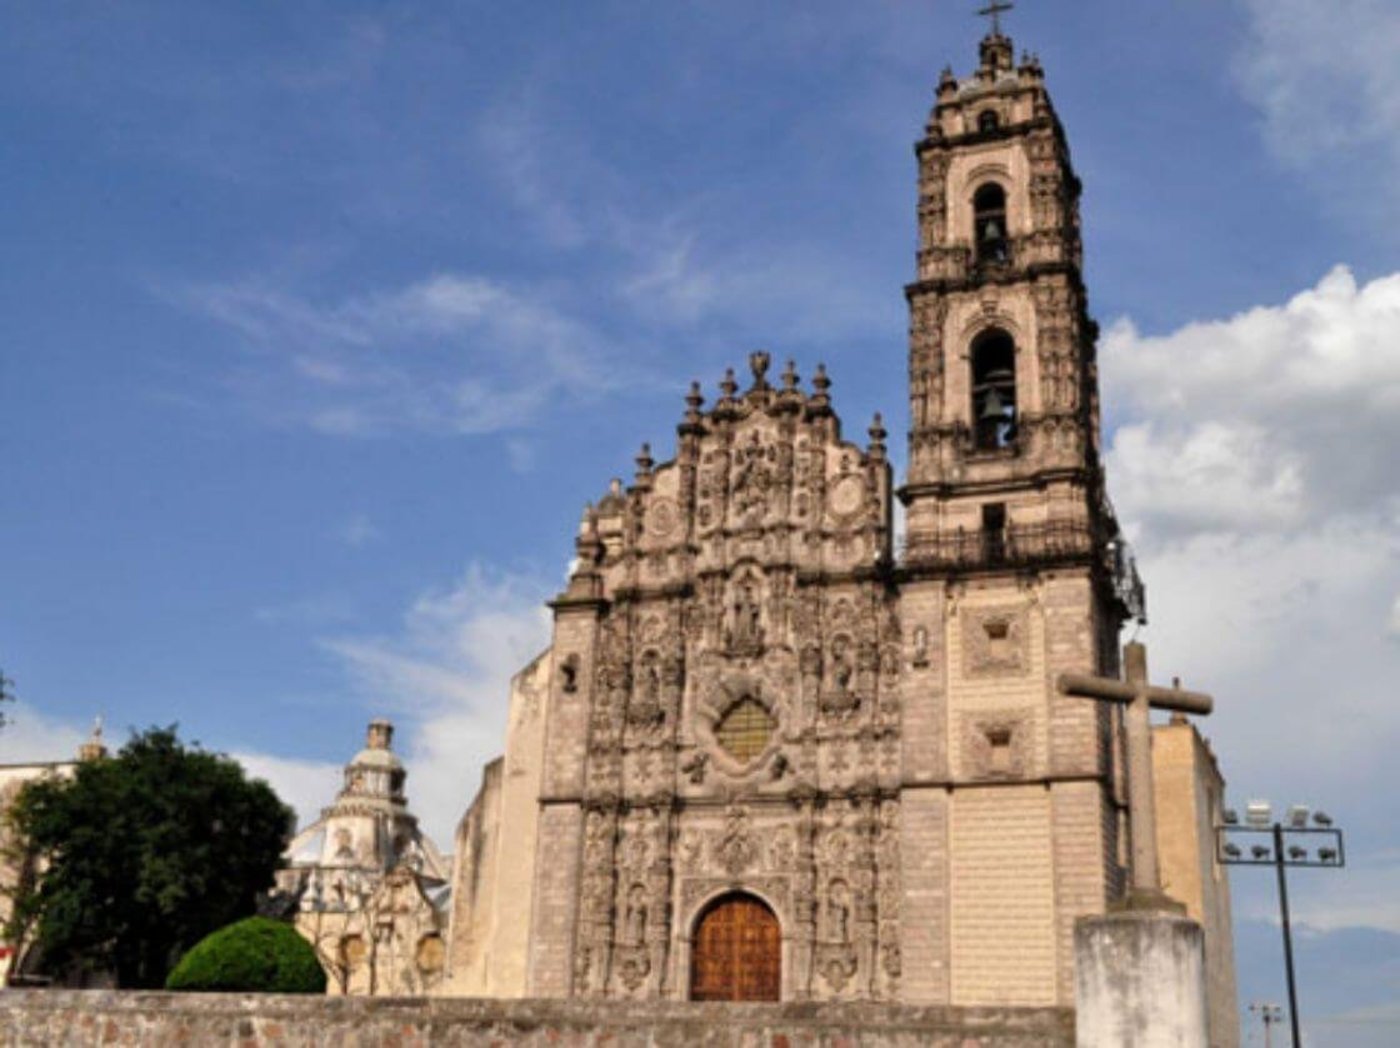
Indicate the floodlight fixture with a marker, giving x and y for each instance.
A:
(1285, 830)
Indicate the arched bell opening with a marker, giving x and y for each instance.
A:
(989, 225)
(736, 951)
(993, 390)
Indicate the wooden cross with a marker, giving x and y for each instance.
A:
(994, 10)
(1139, 698)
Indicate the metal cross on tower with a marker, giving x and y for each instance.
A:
(993, 11)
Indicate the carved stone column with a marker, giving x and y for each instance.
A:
(592, 952)
(804, 901)
(863, 897)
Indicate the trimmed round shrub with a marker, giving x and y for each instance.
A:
(255, 955)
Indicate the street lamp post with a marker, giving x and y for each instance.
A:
(1269, 1014)
(1286, 848)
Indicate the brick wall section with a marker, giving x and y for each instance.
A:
(924, 715)
(923, 850)
(556, 901)
(156, 1020)
(566, 734)
(1071, 646)
(1003, 913)
(1077, 809)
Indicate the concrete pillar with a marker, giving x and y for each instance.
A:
(1139, 981)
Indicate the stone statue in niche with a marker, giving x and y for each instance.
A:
(810, 666)
(840, 697)
(646, 708)
(634, 923)
(838, 913)
(752, 478)
(746, 619)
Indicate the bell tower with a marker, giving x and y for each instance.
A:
(1013, 569)
(1003, 387)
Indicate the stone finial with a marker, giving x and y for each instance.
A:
(588, 545)
(790, 377)
(380, 734)
(94, 748)
(878, 433)
(758, 364)
(644, 463)
(727, 386)
(690, 423)
(820, 400)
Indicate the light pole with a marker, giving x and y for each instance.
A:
(1268, 1014)
(1288, 846)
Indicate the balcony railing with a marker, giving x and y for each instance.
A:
(1031, 545)
(1018, 545)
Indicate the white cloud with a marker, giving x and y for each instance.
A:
(1325, 79)
(1367, 898)
(445, 678)
(1276, 418)
(308, 786)
(1393, 625)
(1324, 75)
(453, 353)
(32, 737)
(1255, 470)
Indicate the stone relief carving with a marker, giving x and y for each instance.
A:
(996, 641)
(998, 745)
(735, 848)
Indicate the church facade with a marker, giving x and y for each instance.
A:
(774, 753)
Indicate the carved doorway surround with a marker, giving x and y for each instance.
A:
(738, 952)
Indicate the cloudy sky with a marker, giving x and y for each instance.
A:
(320, 323)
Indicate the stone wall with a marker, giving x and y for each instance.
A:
(154, 1019)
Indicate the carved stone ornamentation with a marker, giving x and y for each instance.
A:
(998, 745)
(996, 641)
(736, 848)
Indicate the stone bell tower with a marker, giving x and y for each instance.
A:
(1013, 569)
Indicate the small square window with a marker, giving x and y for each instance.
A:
(999, 751)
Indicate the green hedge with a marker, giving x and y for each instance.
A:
(255, 955)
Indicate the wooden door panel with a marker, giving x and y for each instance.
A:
(737, 953)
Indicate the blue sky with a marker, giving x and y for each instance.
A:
(321, 322)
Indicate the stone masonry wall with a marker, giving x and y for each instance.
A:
(92, 1017)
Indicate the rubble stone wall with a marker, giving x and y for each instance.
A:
(90, 1017)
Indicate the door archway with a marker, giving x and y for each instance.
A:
(737, 952)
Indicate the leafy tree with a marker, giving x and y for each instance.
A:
(256, 955)
(142, 855)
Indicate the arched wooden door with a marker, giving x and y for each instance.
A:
(738, 952)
